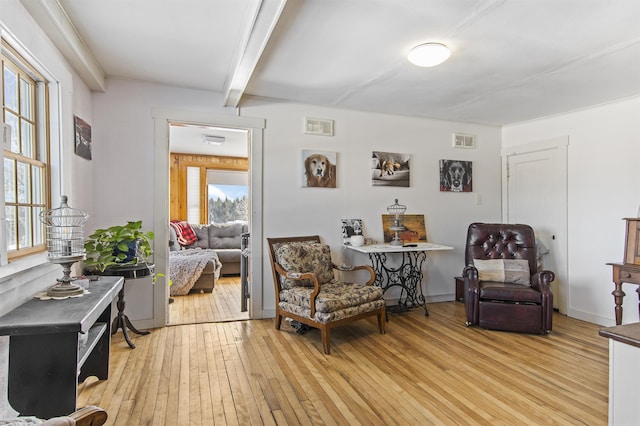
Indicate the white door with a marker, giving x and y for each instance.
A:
(536, 195)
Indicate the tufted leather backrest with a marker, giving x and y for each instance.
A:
(501, 241)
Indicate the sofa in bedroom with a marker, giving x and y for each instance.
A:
(222, 238)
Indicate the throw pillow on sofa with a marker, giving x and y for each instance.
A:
(226, 235)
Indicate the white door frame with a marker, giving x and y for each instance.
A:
(255, 126)
(561, 145)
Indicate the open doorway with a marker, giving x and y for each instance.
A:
(209, 200)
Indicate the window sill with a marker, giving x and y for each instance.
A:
(22, 265)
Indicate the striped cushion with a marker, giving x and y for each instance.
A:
(515, 271)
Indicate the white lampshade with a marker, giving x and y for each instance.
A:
(429, 54)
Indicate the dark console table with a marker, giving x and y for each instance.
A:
(48, 357)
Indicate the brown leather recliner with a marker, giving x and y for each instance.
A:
(501, 299)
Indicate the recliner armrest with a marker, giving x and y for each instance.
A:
(470, 273)
(541, 281)
(471, 285)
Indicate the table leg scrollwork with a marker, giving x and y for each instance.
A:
(408, 277)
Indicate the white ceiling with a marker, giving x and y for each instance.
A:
(188, 139)
(512, 60)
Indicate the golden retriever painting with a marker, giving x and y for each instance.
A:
(319, 169)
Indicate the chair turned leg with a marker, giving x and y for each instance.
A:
(325, 332)
(381, 322)
(277, 321)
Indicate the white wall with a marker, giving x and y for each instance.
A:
(290, 209)
(123, 153)
(71, 175)
(123, 147)
(602, 189)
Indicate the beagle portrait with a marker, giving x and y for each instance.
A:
(455, 176)
(319, 171)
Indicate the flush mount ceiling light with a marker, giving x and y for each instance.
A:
(429, 54)
(213, 140)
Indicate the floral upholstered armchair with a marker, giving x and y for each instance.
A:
(307, 291)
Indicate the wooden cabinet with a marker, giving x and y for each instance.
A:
(629, 270)
(624, 273)
(632, 241)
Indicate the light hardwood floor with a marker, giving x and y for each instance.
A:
(222, 304)
(425, 370)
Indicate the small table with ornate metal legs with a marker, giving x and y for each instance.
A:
(407, 276)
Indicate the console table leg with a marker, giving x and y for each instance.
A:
(123, 322)
(132, 328)
(618, 295)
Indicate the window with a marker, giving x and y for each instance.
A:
(26, 175)
(228, 203)
(228, 193)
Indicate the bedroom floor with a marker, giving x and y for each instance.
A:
(223, 304)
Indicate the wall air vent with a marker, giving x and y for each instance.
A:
(318, 126)
(461, 140)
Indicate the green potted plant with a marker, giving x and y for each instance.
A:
(118, 246)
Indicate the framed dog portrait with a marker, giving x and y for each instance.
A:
(390, 169)
(319, 169)
(456, 176)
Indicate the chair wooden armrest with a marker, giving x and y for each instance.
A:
(303, 276)
(85, 416)
(348, 268)
(89, 416)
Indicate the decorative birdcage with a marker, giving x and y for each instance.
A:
(397, 211)
(65, 244)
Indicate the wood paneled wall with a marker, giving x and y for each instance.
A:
(178, 180)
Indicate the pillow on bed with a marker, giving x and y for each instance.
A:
(514, 271)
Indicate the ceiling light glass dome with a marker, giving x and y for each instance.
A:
(429, 54)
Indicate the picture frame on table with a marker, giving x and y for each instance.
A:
(351, 227)
(414, 224)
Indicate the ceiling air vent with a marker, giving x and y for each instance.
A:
(318, 126)
(461, 140)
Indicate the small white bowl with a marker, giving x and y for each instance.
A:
(357, 240)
